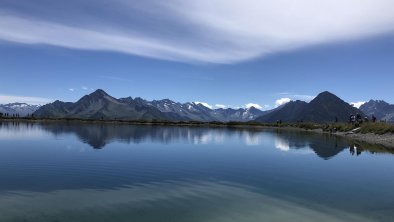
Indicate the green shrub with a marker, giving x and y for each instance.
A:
(309, 126)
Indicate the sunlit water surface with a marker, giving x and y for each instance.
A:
(82, 172)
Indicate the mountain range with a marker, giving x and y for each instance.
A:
(100, 105)
(326, 107)
(380, 109)
(22, 109)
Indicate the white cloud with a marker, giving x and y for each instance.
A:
(85, 88)
(4, 99)
(217, 31)
(255, 105)
(282, 144)
(253, 139)
(357, 104)
(291, 96)
(235, 107)
(71, 89)
(282, 101)
(204, 104)
(220, 106)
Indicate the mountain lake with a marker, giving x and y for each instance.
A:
(102, 172)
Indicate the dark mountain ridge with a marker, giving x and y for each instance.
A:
(326, 107)
(100, 105)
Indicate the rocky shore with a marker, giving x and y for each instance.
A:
(386, 140)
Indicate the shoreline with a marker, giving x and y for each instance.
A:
(386, 139)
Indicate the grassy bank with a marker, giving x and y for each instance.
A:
(376, 128)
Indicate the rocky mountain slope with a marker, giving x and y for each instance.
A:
(22, 109)
(380, 109)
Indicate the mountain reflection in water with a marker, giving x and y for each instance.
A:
(98, 136)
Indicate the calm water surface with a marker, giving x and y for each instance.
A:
(81, 172)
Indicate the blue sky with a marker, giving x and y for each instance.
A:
(229, 53)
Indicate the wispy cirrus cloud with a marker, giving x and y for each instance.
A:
(82, 88)
(214, 31)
